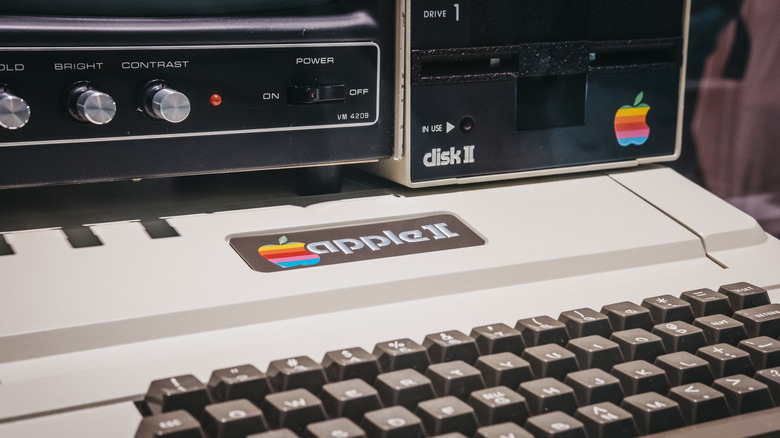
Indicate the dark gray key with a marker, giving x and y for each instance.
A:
(293, 409)
(595, 386)
(404, 387)
(605, 420)
(547, 395)
(550, 361)
(705, 302)
(653, 412)
(499, 404)
(350, 399)
(680, 336)
(638, 344)
(761, 320)
(336, 428)
(243, 381)
(400, 354)
(627, 315)
(456, 378)
(233, 419)
(393, 422)
(541, 330)
(503, 430)
(699, 403)
(744, 295)
(504, 369)
(181, 392)
(277, 433)
(641, 376)
(296, 372)
(175, 424)
(451, 345)
(595, 352)
(497, 338)
(721, 329)
(726, 360)
(447, 414)
(350, 363)
(755, 424)
(771, 378)
(744, 394)
(666, 308)
(556, 425)
(683, 367)
(585, 322)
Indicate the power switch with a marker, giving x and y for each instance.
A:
(302, 95)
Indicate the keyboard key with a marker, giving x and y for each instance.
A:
(726, 360)
(504, 369)
(744, 394)
(764, 351)
(336, 428)
(585, 322)
(233, 419)
(404, 387)
(550, 361)
(277, 433)
(555, 425)
(503, 430)
(705, 302)
(293, 409)
(447, 414)
(451, 345)
(350, 399)
(683, 367)
(638, 344)
(541, 330)
(755, 424)
(174, 393)
(244, 381)
(771, 378)
(666, 308)
(393, 422)
(653, 412)
(450, 435)
(297, 372)
(680, 336)
(605, 420)
(699, 403)
(721, 329)
(761, 320)
(499, 404)
(594, 386)
(641, 376)
(350, 363)
(547, 395)
(400, 354)
(497, 338)
(456, 378)
(744, 295)
(627, 315)
(595, 352)
(175, 424)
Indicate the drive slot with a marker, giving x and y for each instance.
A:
(488, 65)
(633, 54)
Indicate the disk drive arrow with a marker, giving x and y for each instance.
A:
(450, 127)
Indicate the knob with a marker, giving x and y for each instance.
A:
(89, 105)
(14, 111)
(164, 103)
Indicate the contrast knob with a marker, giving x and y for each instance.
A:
(165, 103)
(90, 105)
(14, 111)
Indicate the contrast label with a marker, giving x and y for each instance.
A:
(287, 250)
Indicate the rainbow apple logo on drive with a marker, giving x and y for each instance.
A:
(631, 122)
(288, 255)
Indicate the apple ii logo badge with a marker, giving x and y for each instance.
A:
(631, 123)
(289, 249)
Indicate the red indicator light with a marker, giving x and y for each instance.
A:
(215, 100)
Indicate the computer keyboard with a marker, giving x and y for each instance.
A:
(626, 370)
(85, 330)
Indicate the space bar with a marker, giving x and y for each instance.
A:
(764, 423)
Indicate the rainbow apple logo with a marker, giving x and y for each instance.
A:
(631, 122)
(288, 255)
